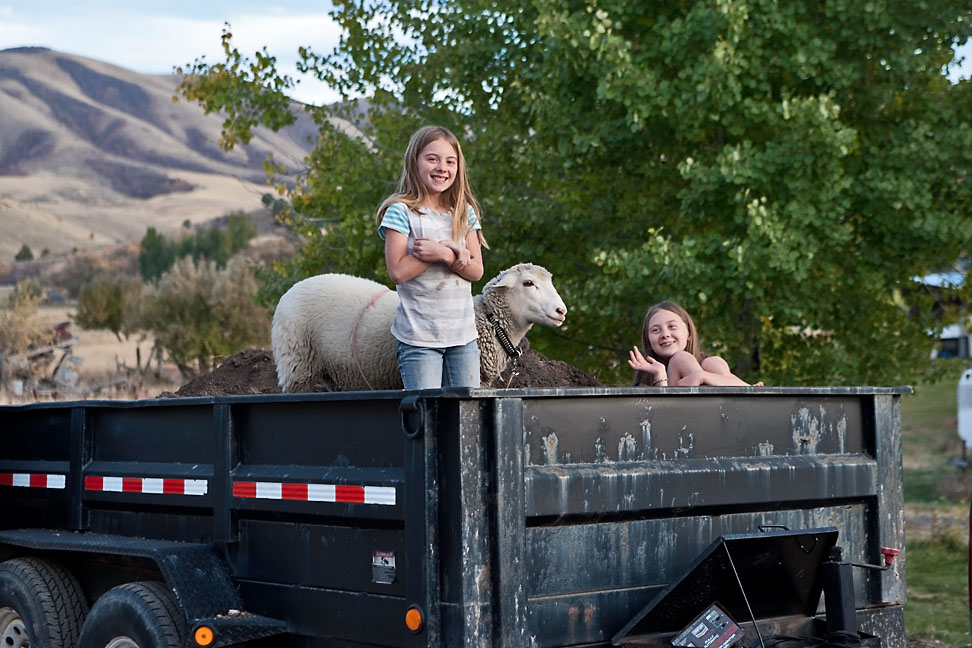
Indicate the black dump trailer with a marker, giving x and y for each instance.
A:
(455, 518)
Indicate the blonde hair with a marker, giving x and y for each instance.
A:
(413, 193)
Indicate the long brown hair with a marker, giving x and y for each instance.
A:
(692, 344)
(413, 193)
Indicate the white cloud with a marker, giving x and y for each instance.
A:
(156, 44)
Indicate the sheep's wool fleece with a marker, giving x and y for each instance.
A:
(312, 329)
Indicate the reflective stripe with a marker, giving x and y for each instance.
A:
(300, 492)
(147, 485)
(33, 480)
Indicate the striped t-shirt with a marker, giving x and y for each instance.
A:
(436, 307)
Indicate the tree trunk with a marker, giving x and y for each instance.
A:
(746, 362)
(186, 371)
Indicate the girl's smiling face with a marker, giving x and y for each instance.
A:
(667, 333)
(438, 165)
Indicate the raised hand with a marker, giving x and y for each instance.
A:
(654, 369)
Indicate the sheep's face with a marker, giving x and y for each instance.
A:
(530, 295)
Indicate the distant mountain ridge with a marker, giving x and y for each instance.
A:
(93, 154)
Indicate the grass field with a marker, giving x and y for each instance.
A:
(936, 494)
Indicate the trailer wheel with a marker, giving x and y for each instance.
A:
(41, 604)
(134, 615)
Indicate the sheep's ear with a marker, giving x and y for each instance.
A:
(502, 280)
(508, 280)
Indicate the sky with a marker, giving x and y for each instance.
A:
(155, 37)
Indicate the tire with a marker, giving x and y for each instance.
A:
(41, 604)
(134, 615)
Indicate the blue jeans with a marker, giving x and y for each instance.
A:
(424, 368)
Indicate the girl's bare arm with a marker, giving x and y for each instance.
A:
(402, 266)
(684, 370)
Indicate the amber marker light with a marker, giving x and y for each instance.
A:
(203, 636)
(413, 619)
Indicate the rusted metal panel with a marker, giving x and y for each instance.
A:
(621, 492)
(586, 580)
(884, 622)
(888, 586)
(588, 557)
(757, 483)
(577, 430)
(464, 524)
(510, 526)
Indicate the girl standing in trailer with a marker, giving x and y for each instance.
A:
(433, 252)
(674, 355)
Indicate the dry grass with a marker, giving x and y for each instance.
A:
(106, 365)
(101, 350)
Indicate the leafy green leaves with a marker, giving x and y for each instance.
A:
(783, 170)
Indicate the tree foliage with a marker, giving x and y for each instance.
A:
(199, 312)
(156, 255)
(216, 243)
(783, 170)
(24, 254)
(110, 302)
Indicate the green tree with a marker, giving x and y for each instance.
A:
(24, 254)
(241, 231)
(276, 206)
(784, 170)
(110, 302)
(156, 256)
(198, 312)
(214, 243)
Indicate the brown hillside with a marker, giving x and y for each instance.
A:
(93, 154)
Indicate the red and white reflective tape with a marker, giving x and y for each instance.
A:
(151, 485)
(33, 480)
(338, 493)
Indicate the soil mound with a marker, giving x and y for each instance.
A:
(535, 370)
(252, 371)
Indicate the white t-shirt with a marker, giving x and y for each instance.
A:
(436, 307)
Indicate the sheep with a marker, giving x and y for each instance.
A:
(335, 330)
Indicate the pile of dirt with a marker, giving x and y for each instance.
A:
(253, 372)
(535, 370)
